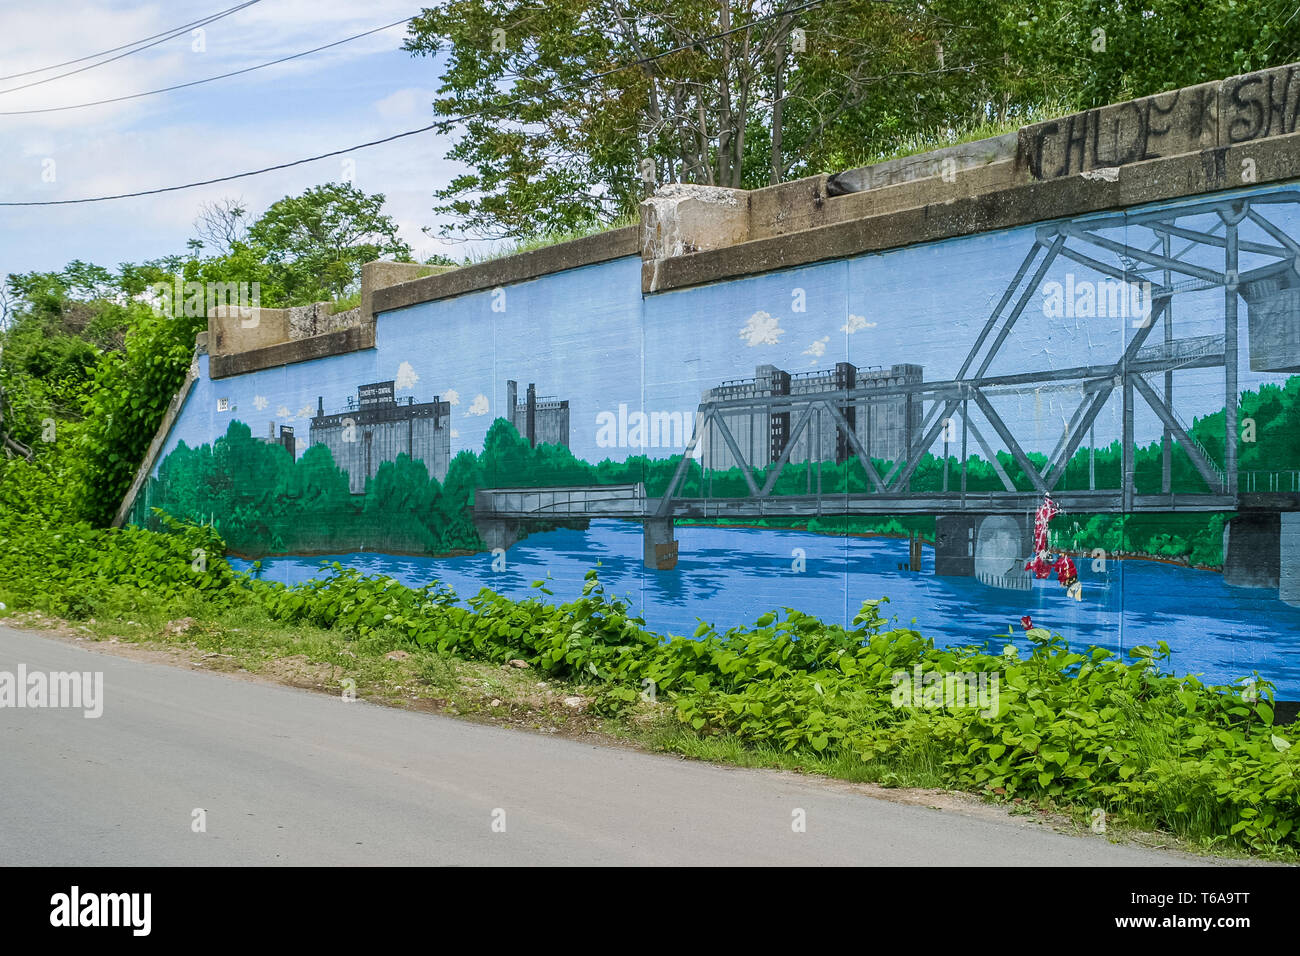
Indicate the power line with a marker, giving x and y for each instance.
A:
(209, 79)
(226, 179)
(90, 56)
(171, 35)
(440, 125)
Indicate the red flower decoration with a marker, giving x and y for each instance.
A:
(1026, 622)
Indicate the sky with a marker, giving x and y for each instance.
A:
(369, 89)
(358, 91)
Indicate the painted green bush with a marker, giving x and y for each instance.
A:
(262, 501)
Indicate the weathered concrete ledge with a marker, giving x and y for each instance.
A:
(946, 160)
(245, 339)
(299, 350)
(1214, 136)
(963, 208)
(1254, 109)
(589, 250)
(285, 336)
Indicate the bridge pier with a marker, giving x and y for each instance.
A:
(991, 548)
(660, 547)
(1262, 550)
(1002, 543)
(1289, 559)
(1252, 550)
(954, 545)
(497, 532)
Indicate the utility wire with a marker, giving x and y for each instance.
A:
(209, 79)
(441, 125)
(90, 56)
(173, 34)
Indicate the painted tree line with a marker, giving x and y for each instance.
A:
(262, 501)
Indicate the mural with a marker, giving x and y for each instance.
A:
(891, 424)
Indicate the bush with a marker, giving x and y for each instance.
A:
(1070, 729)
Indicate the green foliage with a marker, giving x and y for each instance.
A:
(1080, 730)
(1073, 730)
(316, 243)
(553, 139)
(88, 367)
(125, 403)
(78, 571)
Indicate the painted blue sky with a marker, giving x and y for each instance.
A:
(362, 90)
(589, 336)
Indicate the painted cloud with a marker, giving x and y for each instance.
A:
(856, 323)
(406, 377)
(817, 349)
(761, 329)
(479, 406)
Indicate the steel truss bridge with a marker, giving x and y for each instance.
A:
(1166, 248)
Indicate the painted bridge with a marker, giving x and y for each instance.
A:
(1232, 245)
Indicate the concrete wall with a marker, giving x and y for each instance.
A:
(896, 271)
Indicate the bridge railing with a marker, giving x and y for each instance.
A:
(1277, 481)
(571, 501)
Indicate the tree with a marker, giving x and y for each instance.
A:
(724, 92)
(222, 224)
(316, 243)
(736, 93)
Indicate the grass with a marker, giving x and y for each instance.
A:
(962, 131)
(514, 247)
(346, 302)
(388, 669)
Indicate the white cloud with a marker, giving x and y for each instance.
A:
(305, 412)
(479, 406)
(406, 377)
(761, 329)
(451, 397)
(856, 323)
(454, 433)
(283, 412)
(260, 402)
(817, 349)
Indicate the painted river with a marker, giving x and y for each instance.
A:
(730, 576)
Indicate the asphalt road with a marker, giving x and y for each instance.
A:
(292, 777)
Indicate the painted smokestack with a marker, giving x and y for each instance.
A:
(532, 415)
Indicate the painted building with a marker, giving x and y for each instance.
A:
(542, 420)
(883, 424)
(286, 439)
(375, 427)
